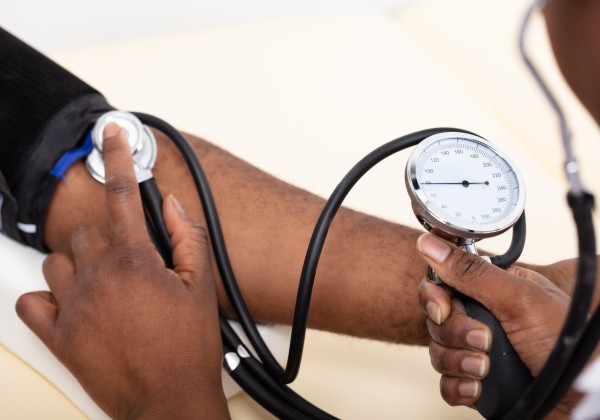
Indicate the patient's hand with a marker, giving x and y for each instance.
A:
(529, 306)
(141, 339)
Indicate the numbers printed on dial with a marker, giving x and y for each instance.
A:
(466, 181)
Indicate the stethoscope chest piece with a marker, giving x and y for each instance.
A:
(142, 144)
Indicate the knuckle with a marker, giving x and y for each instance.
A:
(439, 356)
(22, 305)
(447, 361)
(198, 233)
(448, 390)
(133, 256)
(127, 261)
(466, 264)
(438, 332)
(457, 307)
(81, 230)
(80, 235)
(425, 292)
(120, 185)
(54, 262)
(447, 332)
(201, 232)
(51, 260)
(198, 243)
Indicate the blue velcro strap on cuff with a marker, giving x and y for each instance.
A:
(66, 160)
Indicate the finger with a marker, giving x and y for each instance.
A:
(190, 243)
(122, 194)
(87, 243)
(435, 300)
(38, 311)
(461, 331)
(59, 272)
(460, 391)
(469, 274)
(458, 362)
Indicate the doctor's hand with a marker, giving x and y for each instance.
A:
(529, 306)
(141, 339)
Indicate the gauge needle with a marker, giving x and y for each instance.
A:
(464, 183)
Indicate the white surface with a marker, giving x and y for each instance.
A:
(21, 274)
(305, 98)
(68, 23)
(589, 383)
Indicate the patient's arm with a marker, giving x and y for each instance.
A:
(368, 276)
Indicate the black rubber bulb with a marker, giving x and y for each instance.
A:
(508, 377)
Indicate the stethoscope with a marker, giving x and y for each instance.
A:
(264, 379)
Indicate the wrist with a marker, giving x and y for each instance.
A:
(202, 399)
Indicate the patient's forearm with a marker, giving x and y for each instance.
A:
(367, 279)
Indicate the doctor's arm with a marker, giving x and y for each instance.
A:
(533, 320)
(530, 307)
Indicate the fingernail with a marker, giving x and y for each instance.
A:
(468, 389)
(473, 365)
(433, 247)
(479, 339)
(176, 204)
(111, 130)
(434, 311)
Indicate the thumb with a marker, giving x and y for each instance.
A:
(38, 311)
(469, 273)
(189, 241)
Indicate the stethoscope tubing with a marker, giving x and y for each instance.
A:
(265, 380)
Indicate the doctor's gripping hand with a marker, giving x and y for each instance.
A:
(141, 339)
(529, 306)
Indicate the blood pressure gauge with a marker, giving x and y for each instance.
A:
(462, 188)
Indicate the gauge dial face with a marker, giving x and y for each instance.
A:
(462, 185)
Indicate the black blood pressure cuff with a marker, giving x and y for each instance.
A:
(45, 111)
